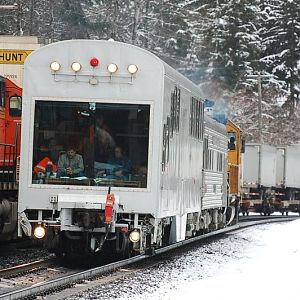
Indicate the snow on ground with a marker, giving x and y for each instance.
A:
(268, 270)
(255, 263)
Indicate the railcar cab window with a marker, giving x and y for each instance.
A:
(15, 106)
(109, 144)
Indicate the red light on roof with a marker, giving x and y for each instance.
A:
(94, 62)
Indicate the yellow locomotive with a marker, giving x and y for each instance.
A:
(236, 146)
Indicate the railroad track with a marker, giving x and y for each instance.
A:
(50, 285)
(26, 268)
(272, 217)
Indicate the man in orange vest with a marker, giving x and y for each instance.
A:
(45, 166)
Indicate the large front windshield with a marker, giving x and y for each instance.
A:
(100, 144)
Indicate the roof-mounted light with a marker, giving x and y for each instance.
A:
(112, 68)
(94, 62)
(132, 69)
(76, 66)
(55, 66)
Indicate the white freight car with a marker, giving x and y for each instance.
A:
(259, 178)
(138, 127)
(259, 166)
(288, 179)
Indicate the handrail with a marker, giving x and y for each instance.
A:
(8, 165)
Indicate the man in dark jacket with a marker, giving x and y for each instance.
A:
(70, 164)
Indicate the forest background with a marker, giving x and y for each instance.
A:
(218, 44)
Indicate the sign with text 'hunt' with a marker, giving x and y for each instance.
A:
(17, 57)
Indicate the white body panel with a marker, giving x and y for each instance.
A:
(259, 165)
(14, 71)
(292, 169)
(176, 192)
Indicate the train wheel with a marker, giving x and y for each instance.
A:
(125, 245)
(166, 235)
(2, 224)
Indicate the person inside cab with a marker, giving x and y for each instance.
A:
(122, 165)
(70, 164)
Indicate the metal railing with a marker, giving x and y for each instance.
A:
(8, 166)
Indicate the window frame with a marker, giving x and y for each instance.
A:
(14, 115)
(87, 100)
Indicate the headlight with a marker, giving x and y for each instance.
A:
(132, 69)
(112, 68)
(76, 66)
(39, 232)
(55, 66)
(134, 236)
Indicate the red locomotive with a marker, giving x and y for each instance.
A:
(10, 126)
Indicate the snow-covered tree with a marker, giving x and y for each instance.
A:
(282, 46)
(232, 40)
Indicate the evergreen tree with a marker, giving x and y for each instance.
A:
(282, 46)
(232, 40)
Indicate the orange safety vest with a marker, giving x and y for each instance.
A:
(41, 166)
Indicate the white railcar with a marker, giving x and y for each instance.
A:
(259, 166)
(288, 179)
(98, 97)
(259, 178)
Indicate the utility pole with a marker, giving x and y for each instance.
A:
(260, 136)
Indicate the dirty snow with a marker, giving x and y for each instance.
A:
(255, 263)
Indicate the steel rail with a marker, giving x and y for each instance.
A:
(16, 270)
(68, 280)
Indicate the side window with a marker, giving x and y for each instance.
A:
(175, 111)
(15, 106)
(2, 95)
(196, 118)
